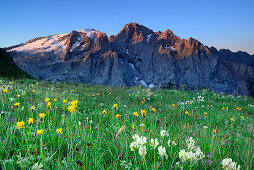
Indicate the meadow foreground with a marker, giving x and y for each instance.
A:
(76, 126)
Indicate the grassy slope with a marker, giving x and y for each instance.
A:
(9, 69)
(234, 139)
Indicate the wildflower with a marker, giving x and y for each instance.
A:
(214, 131)
(71, 109)
(186, 113)
(17, 104)
(164, 133)
(117, 115)
(173, 105)
(115, 106)
(59, 131)
(71, 91)
(74, 103)
(42, 115)
(47, 99)
(206, 117)
(154, 143)
(211, 105)
(205, 127)
(162, 152)
(143, 112)
(55, 99)
(64, 101)
(116, 98)
(135, 114)
(205, 113)
(171, 143)
(98, 94)
(39, 132)
(153, 110)
(110, 93)
(142, 151)
(142, 102)
(30, 121)
(49, 104)
(104, 112)
(5, 90)
(33, 91)
(242, 118)
(32, 108)
(121, 130)
(20, 125)
(18, 95)
(93, 95)
(232, 119)
(228, 164)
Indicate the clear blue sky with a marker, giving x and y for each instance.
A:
(219, 23)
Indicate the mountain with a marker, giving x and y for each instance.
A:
(8, 68)
(135, 56)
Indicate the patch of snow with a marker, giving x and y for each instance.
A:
(44, 44)
(89, 32)
(132, 66)
(148, 38)
(151, 86)
(170, 48)
(142, 82)
(74, 45)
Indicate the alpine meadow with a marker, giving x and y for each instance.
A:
(75, 126)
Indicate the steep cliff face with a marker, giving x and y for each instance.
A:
(135, 56)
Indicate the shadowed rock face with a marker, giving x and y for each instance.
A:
(135, 56)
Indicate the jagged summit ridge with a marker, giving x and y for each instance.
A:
(135, 56)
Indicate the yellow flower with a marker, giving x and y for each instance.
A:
(18, 95)
(30, 121)
(71, 109)
(116, 98)
(42, 115)
(110, 93)
(33, 91)
(98, 94)
(5, 90)
(153, 110)
(55, 99)
(64, 101)
(173, 105)
(211, 105)
(104, 111)
(32, 108)
(115, 106)
(214, 131)
(39, 132)
(20, 125)
(242, 118)
(93, 95)
(142, 102)
(135, 114)
(232, 119)
(223, 108)
(71, 91)
(47, 99)
(206, 117)
(17, 104)
(117, 115)
(74, 103)
(186, 113)
(205, 113)
(11, 107)
(143, 112)
(59, 131)
(240, 108)
(190, 102)
(49, 104)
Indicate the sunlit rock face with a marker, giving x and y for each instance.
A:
(135, 56)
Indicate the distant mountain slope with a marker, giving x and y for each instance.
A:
(135, 56)
(8, 68)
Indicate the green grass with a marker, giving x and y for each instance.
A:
(92, 138)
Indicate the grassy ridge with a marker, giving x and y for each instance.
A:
(9, 69)
(91, 139)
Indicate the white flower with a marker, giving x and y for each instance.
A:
(142, 151)
(162, 151)
(205, 127)
(183, 155)
(164, 133)
(228, 164)
(142, 140)
(142, 125)
(171, 143)
(154, 143)
(79, 123)
(190, 144)
(133, 146)
(134, 137)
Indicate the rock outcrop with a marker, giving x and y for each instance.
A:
(135, 56)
